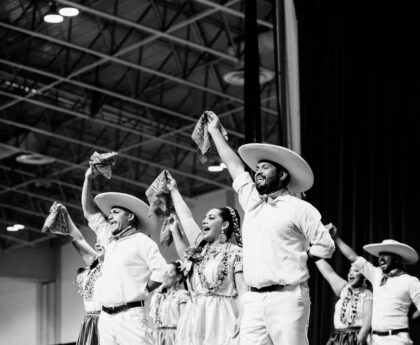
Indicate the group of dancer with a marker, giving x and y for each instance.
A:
(234, 284)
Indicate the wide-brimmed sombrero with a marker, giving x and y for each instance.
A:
(106, 201)
(301, 175)
(408, 254)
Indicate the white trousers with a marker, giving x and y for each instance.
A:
(130, 327)
(276, 318)
(402, 338)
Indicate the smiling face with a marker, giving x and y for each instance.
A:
(119, 218)
(100, 250)
(388, 261)
(212, 225)
(268, 177)
(355, 278)
(174, 277)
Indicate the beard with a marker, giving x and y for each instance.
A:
(268, 186)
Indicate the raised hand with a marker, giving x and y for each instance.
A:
(173, 222)
(171, 184)
(213, 121)
(91, 173)
(332, 229)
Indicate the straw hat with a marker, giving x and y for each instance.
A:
(301, 175)
(408, 254)
(106, 201)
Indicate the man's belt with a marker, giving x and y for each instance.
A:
(123, 307)
(390, 332)
(269, 288)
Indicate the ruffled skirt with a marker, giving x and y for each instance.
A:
(89, 332)
(207, 320)
(164, 336)
(345, 336)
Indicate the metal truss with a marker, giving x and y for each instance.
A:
(120, 77)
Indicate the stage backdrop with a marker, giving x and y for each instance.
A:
(360, 95)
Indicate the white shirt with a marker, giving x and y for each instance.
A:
(128, 265)
(392, 300)
(276, 236)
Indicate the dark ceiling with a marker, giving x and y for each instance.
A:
(127, 76)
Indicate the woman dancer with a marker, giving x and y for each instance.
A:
(87, 280)
(167, 305)
(353, 310)
(214, 271)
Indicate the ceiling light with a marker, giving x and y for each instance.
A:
(34, 159)
(237, 77)
(15, 227)
(216, 168)
(68, 11)
(52, 16)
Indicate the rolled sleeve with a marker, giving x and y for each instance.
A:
(365, 267)
(414, 291)
(320, 241)
(100, 226)
(156, 263)
(248, 195)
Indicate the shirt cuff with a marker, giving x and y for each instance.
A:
(159, 276)
(321, 251)
(359, 263)
(241, 180)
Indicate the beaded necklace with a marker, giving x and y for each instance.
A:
(349, 306)
(89, 286)
(210, 252)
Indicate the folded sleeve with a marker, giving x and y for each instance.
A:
(414, 291)
(320, 241)
(156, 262)
(247, 192)
(100, 226)
(366, 268)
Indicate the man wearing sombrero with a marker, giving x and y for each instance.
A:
(133, 265)
(279, 232)
(393, 290)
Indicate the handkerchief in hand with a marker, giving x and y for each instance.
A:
(56, 222)
(103, 162)
(161, 204)
(201, 137)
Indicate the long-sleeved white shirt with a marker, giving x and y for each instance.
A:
(392, 300)
(276, 235)
(128, 265)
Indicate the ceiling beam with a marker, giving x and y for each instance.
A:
(105, 149)
(134, 25)
(113, 58)
(227, 10)
(81, 166)
(111, 94)
(124, 51)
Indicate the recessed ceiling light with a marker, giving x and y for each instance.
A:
(52, 16)
(68, 11)
(216, 168)
(34, 159)
(15, 227)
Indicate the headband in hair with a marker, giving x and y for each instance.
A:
(236, 229)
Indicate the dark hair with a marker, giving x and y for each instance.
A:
(279, 169)
(177, 264)
(81, 270)
(231, 215)
(135, 221)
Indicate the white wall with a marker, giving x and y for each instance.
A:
(18, 312)
(20, 300)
